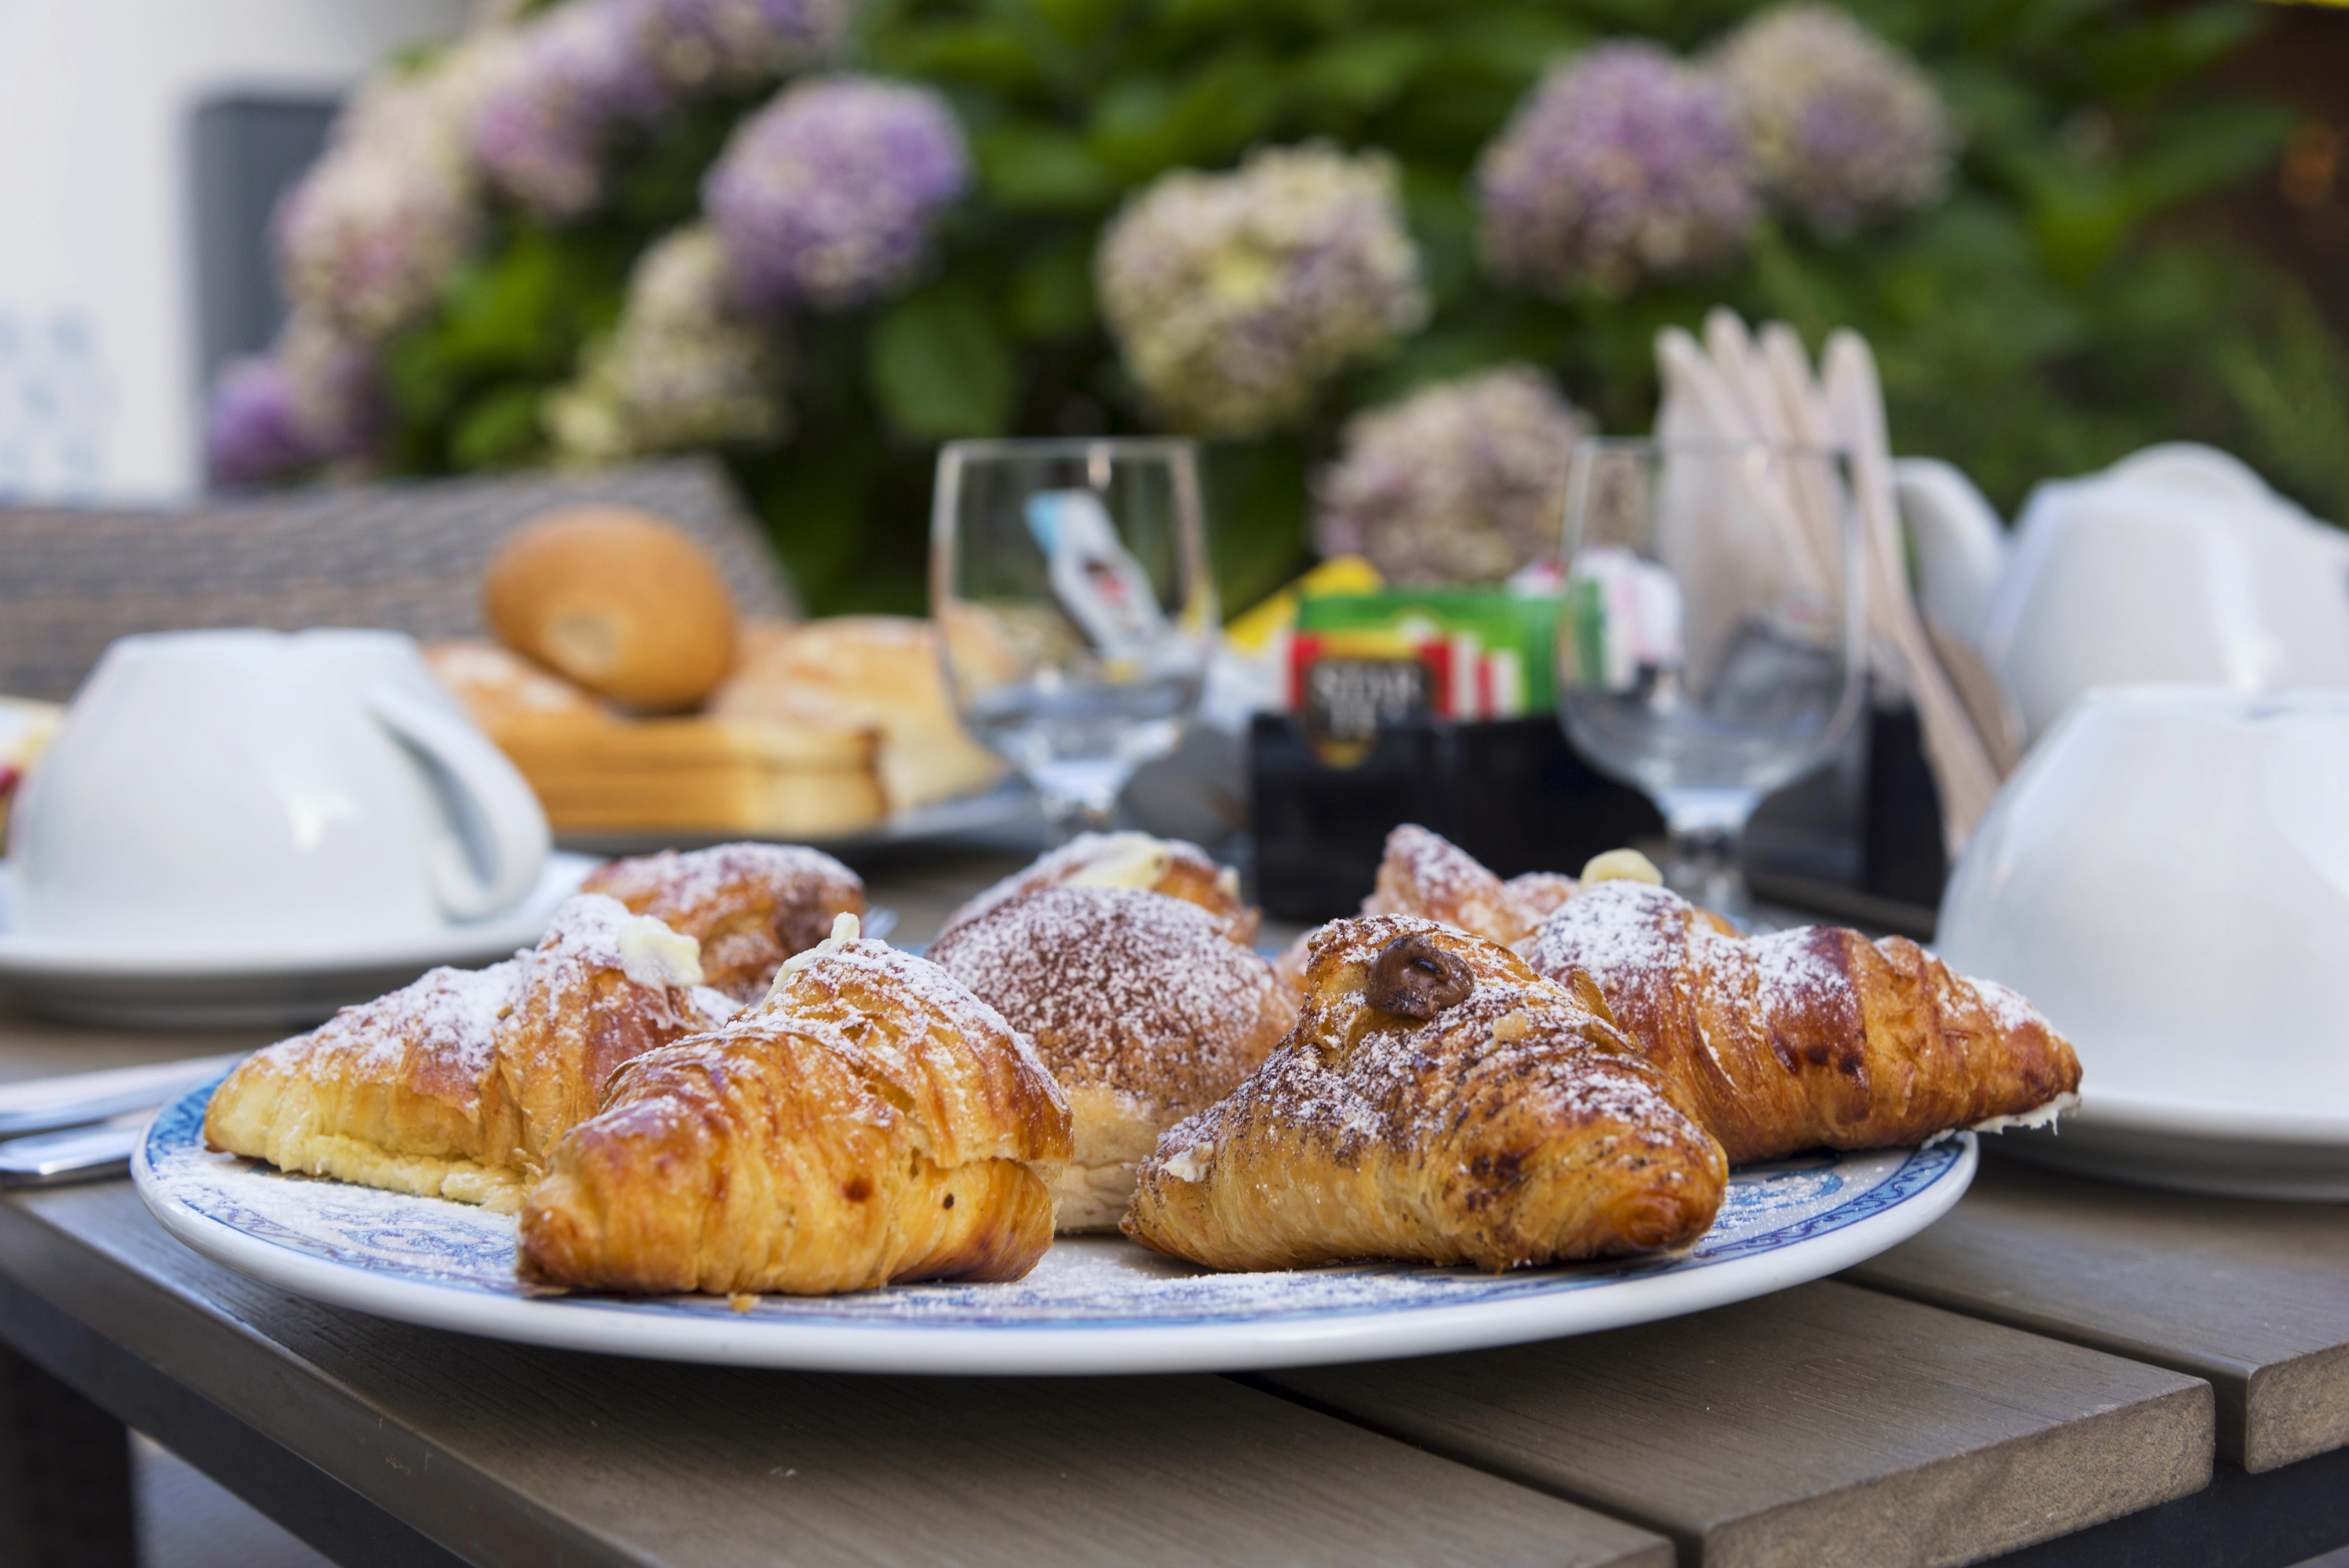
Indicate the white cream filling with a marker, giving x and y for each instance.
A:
(1131, 860)
(652, 954)
(2026, 1121)
(1191, 1165)
(1622, 865)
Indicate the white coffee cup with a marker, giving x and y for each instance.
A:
(265, 791)
(2167, 877)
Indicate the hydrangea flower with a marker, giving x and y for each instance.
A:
(251, 434)
(1234, 297)
(1842, 127)
(728, 42)
(1462, 481)
(828, 195)
(682, 369)
(365, 238)
(1622, 161)
(574, 74)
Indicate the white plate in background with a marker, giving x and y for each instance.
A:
(220, 985)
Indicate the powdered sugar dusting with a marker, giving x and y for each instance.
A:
(449, 1016)
(670, 884)
(1122, 988)
(1072, 861)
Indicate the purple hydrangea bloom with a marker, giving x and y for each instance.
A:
(1843, 128)
(251, 431)
(569, 78)
(1462, 481)
(828, 195)
(1621, 162)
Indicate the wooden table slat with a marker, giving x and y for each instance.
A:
(2252, 1296)
(507, 1454)
(1826, 1425)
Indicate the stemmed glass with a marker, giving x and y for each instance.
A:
(1070, 583)
(1715, 640)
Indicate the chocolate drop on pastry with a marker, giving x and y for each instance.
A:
(1414, 978)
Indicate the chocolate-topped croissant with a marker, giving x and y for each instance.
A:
(1437, 1102)
(870, 1121)
(1810, 1038)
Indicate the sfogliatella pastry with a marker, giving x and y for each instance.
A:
(1809, 1038)
(1138, 1003)
(456, 1086)
(1166, 866)
(870, 1121)
(1438, 1101)
(749, 906)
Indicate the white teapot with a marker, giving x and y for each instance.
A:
(2176, 564)
(261, 791)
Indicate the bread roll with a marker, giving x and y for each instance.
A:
(617, 600)
(875, 671)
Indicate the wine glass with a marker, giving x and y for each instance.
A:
(1714, 639)
(1070, 583)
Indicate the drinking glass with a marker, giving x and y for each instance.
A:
(1070, 585)
(1715, 640)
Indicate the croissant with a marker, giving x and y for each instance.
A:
(1168, 866)
(1437, 1102)
(1809, 1038)
(453, 1086)
(749, 906)
(870, 1121)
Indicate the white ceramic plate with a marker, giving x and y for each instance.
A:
(227, 986)
(2294, 1152)
(1095, 1305)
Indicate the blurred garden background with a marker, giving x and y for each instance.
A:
(1379, 253)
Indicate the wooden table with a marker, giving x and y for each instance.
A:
(2060, 1370)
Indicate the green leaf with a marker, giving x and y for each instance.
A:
(1051, 294)
(498, 430)
(939, 366)
(1040, 169)
(1364, 71)
(1077, 21)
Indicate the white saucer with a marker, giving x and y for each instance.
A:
(2239, 1151)
(220, 986)
(1094, 1304)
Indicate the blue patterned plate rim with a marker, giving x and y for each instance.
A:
(1095, 1305)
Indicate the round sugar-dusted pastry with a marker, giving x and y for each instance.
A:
(750, 906)
(1167, 866)
(1139, 1003)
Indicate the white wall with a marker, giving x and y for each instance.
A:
(98, 397)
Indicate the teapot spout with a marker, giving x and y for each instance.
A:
(1962, 549)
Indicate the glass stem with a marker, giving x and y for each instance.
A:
(1706, 863)
(1068, 815)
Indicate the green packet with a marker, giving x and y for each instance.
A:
(1500, 645)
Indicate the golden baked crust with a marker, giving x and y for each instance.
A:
(1810, 1038)
(874, 672)
(617, 598)
(455, 1085)
(1140, 1006)
(1538, 895)
(1171, 867)
(1425, 874)
(1513, 1126)
(870, 1121)
(749, 906)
